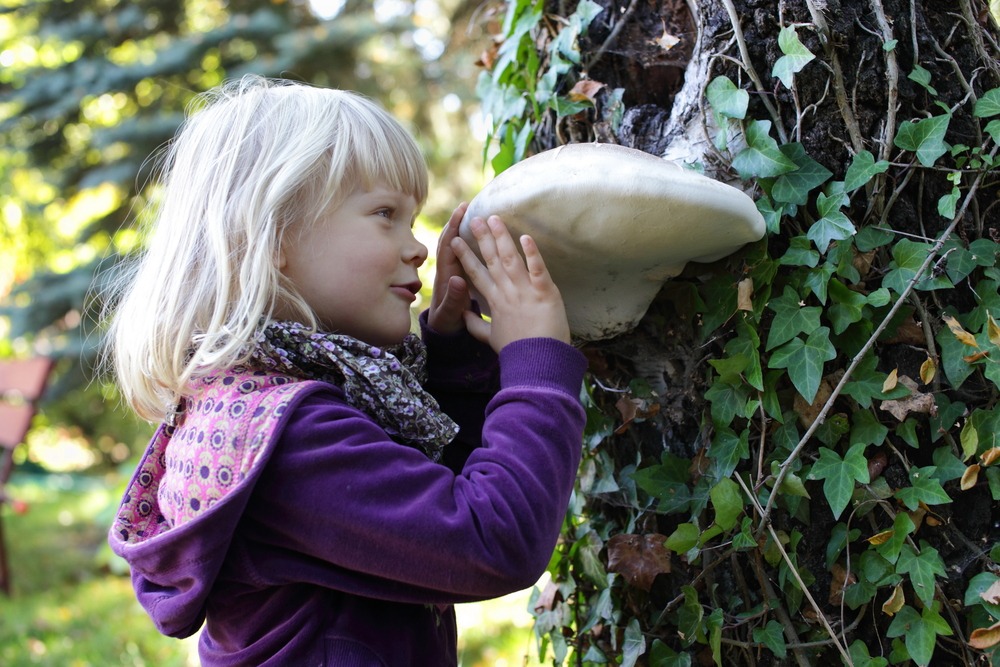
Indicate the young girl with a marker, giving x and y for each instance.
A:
(325, 485)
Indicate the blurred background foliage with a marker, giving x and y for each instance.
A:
(90, 88)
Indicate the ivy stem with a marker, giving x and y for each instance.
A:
(765, 519)
(734, 19)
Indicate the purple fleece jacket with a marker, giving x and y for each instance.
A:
(343, 547)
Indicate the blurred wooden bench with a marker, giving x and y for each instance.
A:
(21, 385)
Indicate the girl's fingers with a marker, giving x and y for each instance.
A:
(533, 259)
(477, 327)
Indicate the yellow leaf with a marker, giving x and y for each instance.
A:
(895, 601)
(993, 329)
(928, 370)
(880, 538)
(990, 456)
(960, 333)
(890, 381)
(970, 477)
(984, 638)
(744, 290)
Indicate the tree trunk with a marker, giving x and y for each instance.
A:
(879, 68)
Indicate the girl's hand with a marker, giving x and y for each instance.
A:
(450, 296)
(523, 300)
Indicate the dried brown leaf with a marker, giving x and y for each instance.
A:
(984, 638)
(639, 558)
(970, 477)
(895, 601)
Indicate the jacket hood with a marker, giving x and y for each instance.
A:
(175, 554)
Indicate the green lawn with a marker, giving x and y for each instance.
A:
(73, 604)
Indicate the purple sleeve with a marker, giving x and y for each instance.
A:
(342, 505)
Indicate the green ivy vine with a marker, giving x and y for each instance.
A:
(803, 414)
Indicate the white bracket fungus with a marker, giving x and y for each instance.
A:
(613, 224)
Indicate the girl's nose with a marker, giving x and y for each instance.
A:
(416, 252)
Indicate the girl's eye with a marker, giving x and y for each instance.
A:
(385, 212)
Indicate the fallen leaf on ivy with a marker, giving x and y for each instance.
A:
(970, 477)
(960, 333)
(992, 594)
(744, 289)
(916, 402)
(547, 599)
(877, 462)
(808, 412)
(881, 538)
(841, 579)
(631, 408)
(488, 57)
(666, 41)
(895, 601)
(928, 370)
(993, 330)
(639, 558)
(978, 356)
(909, 333)
(890, 381)
(585, 90)
(990, 456)
(984, 638)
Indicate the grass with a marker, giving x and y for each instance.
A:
(73, 605)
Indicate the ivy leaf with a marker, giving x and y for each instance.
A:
(726, 99)
(761, 158)
(800, 253)
(988, 105)
(867, 429)
(804, 361)
(727, 500)
(796, 56)
(833, 225)
(795, 186)
(684, 538)
(919, 632)
(690, 616)
(923, 77)
(773, 637)
(925, 138)
(667, 482)
(840, 474)
(923, 567)
(924, 488)
(860, 655)
(790, 319)
(634, 644)
(847, 307)
(726, 451)
(907, 258)
(993, 129)
(662, 655)
(863, 168)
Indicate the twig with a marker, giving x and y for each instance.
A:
(839, 87)
(892, 79)
(779, 610)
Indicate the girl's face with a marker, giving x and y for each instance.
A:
(357, 266)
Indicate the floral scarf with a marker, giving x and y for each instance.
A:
(384, 383)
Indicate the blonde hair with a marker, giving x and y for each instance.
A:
(259, 158)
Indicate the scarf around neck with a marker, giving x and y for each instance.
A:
(384, 383)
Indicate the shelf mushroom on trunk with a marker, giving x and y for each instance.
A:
(613, 224)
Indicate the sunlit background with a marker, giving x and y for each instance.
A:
(88, 90)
